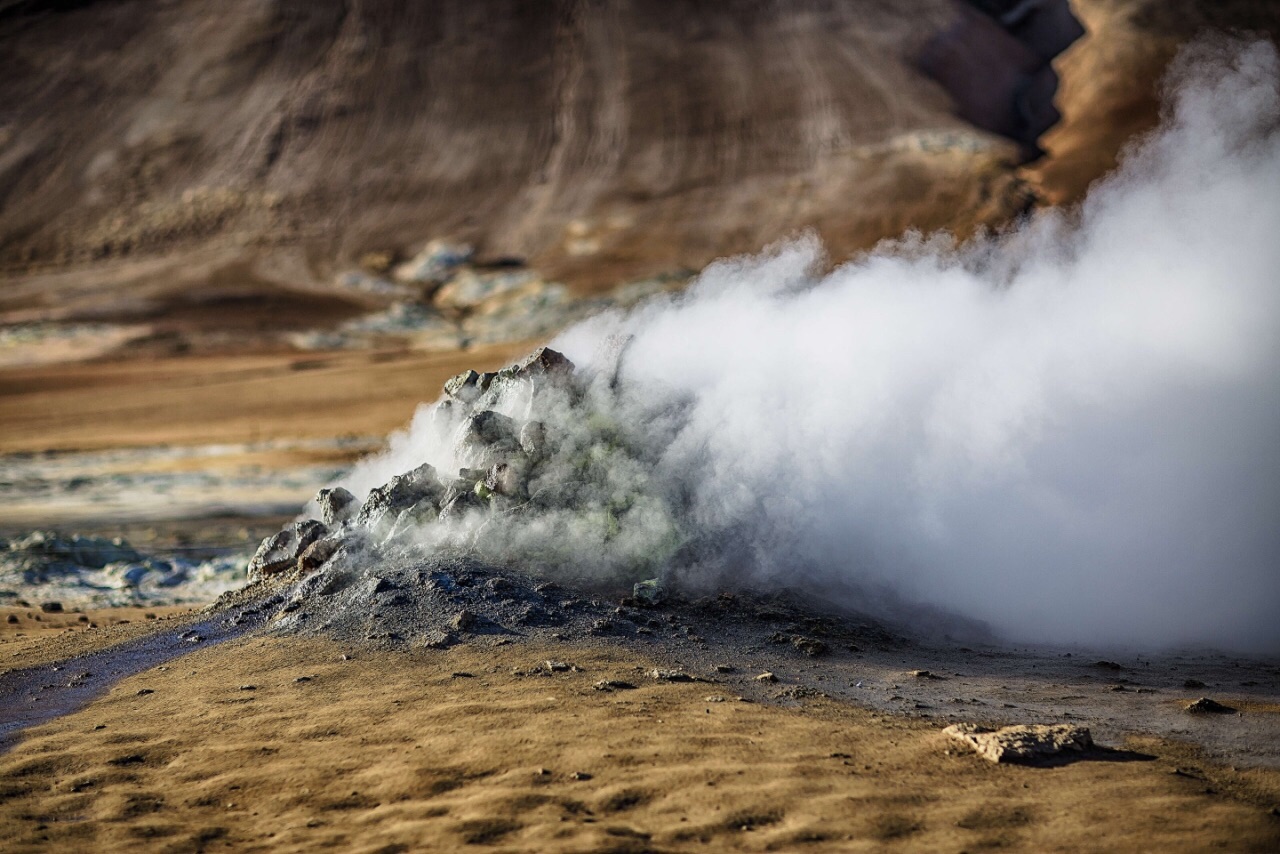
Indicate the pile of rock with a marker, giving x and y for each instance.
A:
(506, 472)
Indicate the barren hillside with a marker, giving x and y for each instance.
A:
(597, 141)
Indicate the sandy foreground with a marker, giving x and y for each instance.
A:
(270, 743)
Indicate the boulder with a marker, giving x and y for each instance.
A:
(505, 478)
(464, 387)
(337, 505)
(649, 594)
(1022, 743)
(387, 503)
(280, 553)
(533, 439)
(544, 362)
(318, 554)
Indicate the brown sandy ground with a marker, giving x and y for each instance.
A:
(230, 398)
(29, 636)
(291, 745)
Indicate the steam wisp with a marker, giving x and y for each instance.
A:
(1070, 431)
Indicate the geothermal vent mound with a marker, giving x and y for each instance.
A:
(548, 513)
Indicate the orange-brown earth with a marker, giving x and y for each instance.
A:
(206, 167)
(229, 747)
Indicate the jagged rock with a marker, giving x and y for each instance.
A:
(533, 439)
(649, 593)
(505, 478)
(437, 639)
(464, 387)
(670, 675)
(544, 362)
(318, 554)
(493, 428)
(1022, 743)
(280, 553)
(403, 493)
(1206, 706)
(458, 500)
(488, 438)
(337, 505)
(463, 621)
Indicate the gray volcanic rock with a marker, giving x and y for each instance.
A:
(337, 505)
(280, 552)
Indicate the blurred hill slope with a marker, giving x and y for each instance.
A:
(596, 140)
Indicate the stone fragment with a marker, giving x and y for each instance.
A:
(533, 439)
(544, 362)
(280, 552)
(337, 505)
(649, 593)
(613, 685)
(504, 479)
(767, 676)
(1193, 684)
(318, 554)
(463, 621)
(670, 675)
(1206, 706)
(463, 387)
(437, 639)
(1022, 743)
(417, 491)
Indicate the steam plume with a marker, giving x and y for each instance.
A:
(1070, 431)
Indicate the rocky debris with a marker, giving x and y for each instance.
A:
(1108, 665)
(811, 647)
(1027, 743)
(663, 675)
(925, 674)
(443, 300)
(280, 552)
(435, 263)
(1206, 706)
(1192, 684)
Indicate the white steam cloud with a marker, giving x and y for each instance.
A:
(1070, 432)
